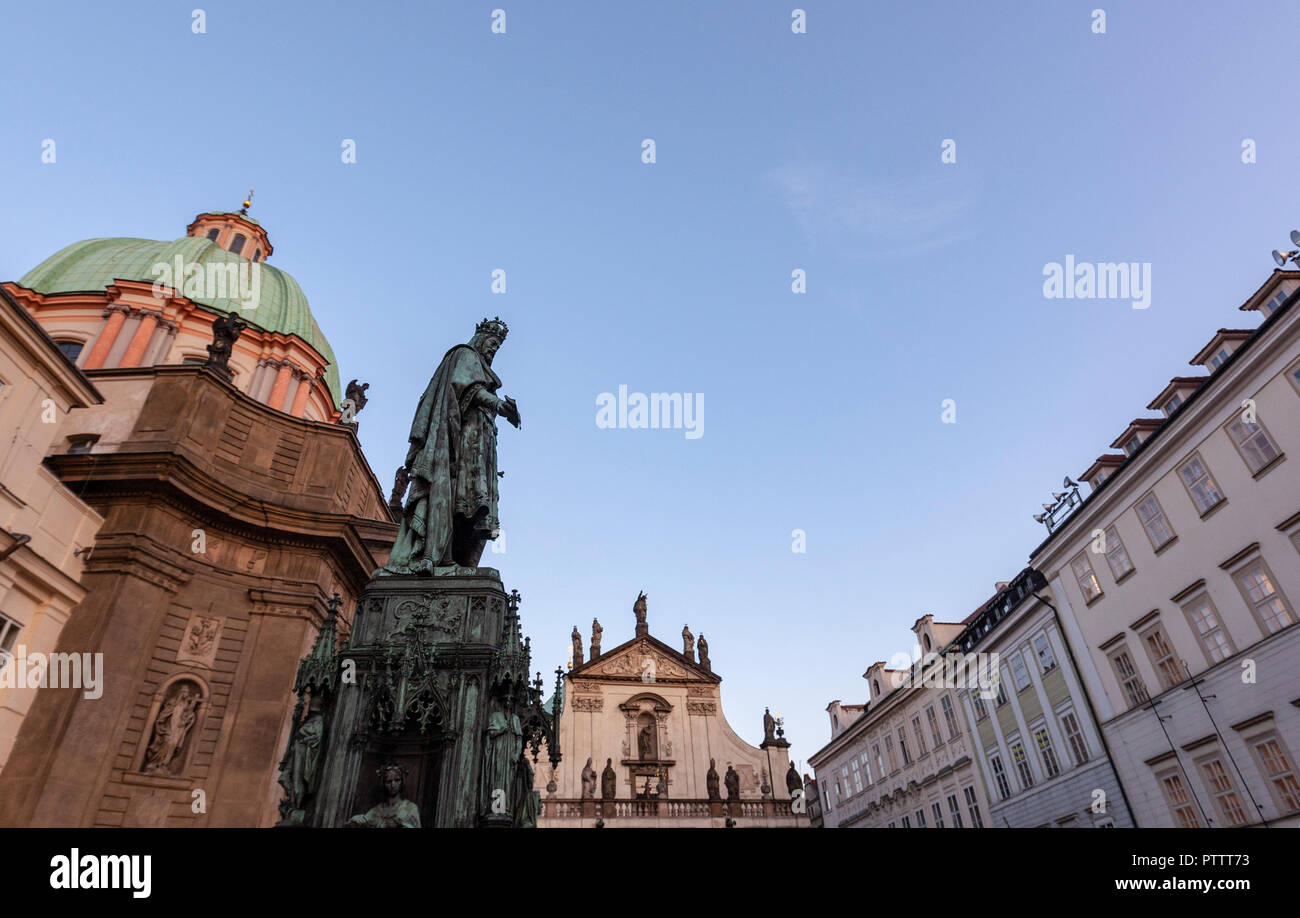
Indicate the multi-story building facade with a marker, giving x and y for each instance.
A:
(643, 722)
(1177, 580)
(905, 759)
(45, 529)
(1043, 758)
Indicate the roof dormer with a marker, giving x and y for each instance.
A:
(1221, 346)
(1272, 293)
(1102, 469)
(1135, 434)
(1172, 396)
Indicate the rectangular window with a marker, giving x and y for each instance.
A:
(1172, 405)
(907, 823)
(973, 806)
(866, 768)
(891, 826)
(1002, 693)
(902, 747)
(1021, 761)
(1000, 777)
(920, 737)
(848, 787)
(1204, 619)
(1161, 655)
(1128, 678)
(920, 819)
(1087, 579)
(1051, 767)
(857, 778)
(1223, 792)
(1019, 672)
(1279, 771)
(1218, 359)
(1116, 555)
(954, 811)
(880, 763)
(8, 637)
(1200, 486)
(1271, 610)
(1180, 802)
(1253, 442)
(933, 721)
(1154, 522)
(1046, 659)
(950, 716)
(889, 750)
(1132, 444)
(1074, 736)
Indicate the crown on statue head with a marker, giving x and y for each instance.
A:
(495, 327)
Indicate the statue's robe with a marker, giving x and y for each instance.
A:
(453, 467)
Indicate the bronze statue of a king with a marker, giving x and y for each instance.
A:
(451, 509)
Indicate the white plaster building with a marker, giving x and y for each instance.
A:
(1177, 580)
(906, 759)
(653, 715)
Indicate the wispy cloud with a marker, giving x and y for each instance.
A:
(864, 217)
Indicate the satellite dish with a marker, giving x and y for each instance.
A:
(1295, 237)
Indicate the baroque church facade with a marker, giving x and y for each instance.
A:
(232, 503)
(645, 744)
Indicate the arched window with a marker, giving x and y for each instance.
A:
(213, 234)
(875, 686)
(71, 349)
(237, 244)
(925, 639)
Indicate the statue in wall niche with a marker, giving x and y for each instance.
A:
(704, 651)
(688, 643)
(505, 742)
(711, 781)
(662, 789)
(299, 775)
(608, 781)
(769, 725)
(577, 646)
(588, 781)
(175, 719)
(394, 811)
(732, 781)
(451, 510)
(645, 742)
(595, 638)
(225, 332)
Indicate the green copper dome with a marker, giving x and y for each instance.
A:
(93, 264)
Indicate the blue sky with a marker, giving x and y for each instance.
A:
(775, 151)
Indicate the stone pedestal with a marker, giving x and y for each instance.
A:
(428, 663)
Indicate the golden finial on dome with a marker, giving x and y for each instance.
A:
(248, 202)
